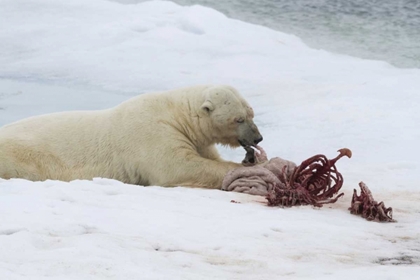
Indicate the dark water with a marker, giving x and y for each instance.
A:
(386, 30)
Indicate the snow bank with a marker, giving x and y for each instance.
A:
(66, 55)
(105, 229)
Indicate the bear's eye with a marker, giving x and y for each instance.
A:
(240, 120)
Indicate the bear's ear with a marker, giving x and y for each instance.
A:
(207, 106)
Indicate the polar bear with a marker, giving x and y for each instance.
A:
(164, 139)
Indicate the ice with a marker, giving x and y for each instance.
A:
(84, 55)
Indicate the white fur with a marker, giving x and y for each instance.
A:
(164, 138)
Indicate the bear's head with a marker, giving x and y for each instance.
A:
(230, 117)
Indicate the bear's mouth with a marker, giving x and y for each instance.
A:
(242, 143)
(250, 157)
(246, 145)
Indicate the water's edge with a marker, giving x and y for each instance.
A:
(387, 30)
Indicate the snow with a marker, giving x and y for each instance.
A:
(72, 55)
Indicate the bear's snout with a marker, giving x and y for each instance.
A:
(250, 142)
(256, 141)
(249, 135)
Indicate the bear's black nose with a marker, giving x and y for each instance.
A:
(258, 140)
